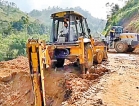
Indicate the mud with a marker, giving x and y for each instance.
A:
(113, 83)
(55, 86)
(120, 88)
(67, 84)
(15, 86)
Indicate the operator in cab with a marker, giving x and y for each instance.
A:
(65, 30)
(112, 34)
(69, 35)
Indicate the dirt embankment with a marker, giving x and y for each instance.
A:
(127, 24)
(15, 83)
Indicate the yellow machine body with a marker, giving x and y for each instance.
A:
(41, 57)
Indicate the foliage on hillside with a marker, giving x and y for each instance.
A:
(15, 45)
(126, 17)
(95, 24)
(15, 28)
(12, 20)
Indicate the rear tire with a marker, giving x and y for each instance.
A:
(121, 46)
(99, 43)
(88, 58)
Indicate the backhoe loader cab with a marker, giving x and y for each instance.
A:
(76, 27)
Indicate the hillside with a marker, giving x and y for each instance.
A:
(10, 12)
(126, 17)
(95, 24)
(15, 28)
(12, 20)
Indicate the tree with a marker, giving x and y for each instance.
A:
(114, 9)
(13, 5)
(25, 21)
(19, 45)
(18, 25)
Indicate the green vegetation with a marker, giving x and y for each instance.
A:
(15, 28)
(124, 16)
(15, 45)
(13, 20)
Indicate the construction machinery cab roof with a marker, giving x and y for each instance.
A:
(66, 14)
(117, 27)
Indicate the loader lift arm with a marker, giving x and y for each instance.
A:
(37, 53)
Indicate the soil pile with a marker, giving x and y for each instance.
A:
(15, 83)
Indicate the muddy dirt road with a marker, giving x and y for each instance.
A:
(121, 88)
(118, 85)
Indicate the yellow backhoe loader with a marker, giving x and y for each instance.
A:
(73, 43)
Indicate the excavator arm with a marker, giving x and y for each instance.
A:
(38, 58)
